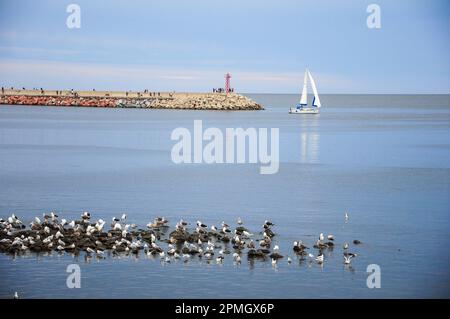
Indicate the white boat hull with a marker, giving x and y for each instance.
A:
(304, 110)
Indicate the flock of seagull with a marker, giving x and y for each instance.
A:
(185, 242)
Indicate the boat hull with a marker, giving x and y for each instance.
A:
(304, 110)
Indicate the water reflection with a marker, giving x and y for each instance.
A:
(309, 139)
(309, 147)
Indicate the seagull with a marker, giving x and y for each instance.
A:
(274, 261)
(201, 225)
(321, 238)
(289, 260)
(247, 234)
(183, 223)
(90, 250)
(213, 228)
(124, 216)
(276, 248)
(330, 237)
(16, 295)
(37, 220)
(346, 216)
(319, 258)
(152, 225)
(46, 240)
(72, 224)
(347, 259)
(219, 259)
(208, 255)
(268, 223)
(239, 221)
(345, 246)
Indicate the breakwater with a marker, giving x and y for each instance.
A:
(148, 100)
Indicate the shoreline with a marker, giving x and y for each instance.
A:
(122, 99)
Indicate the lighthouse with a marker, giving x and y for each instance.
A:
(227, 83)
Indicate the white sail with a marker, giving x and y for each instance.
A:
(304, 98)
(316, 101)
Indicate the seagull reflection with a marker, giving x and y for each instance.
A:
(349, 268)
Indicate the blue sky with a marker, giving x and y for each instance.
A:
(189, 45)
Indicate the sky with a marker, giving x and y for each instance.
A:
(189, 45)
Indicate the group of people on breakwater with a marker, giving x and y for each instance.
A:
(72, 92)
(185, 242)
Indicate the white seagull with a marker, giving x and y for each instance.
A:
(319, 258)
(347, 259)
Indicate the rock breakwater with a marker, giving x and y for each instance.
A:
(190, 101)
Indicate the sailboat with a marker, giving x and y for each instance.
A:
(302, 107)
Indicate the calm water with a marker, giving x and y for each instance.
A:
(384, 159)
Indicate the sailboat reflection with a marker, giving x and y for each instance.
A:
(309, 148)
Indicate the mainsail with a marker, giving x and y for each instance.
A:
(316, 101)
(304, 98)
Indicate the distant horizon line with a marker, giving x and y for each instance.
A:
(209, 91)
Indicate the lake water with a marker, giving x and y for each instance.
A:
(384, 159)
